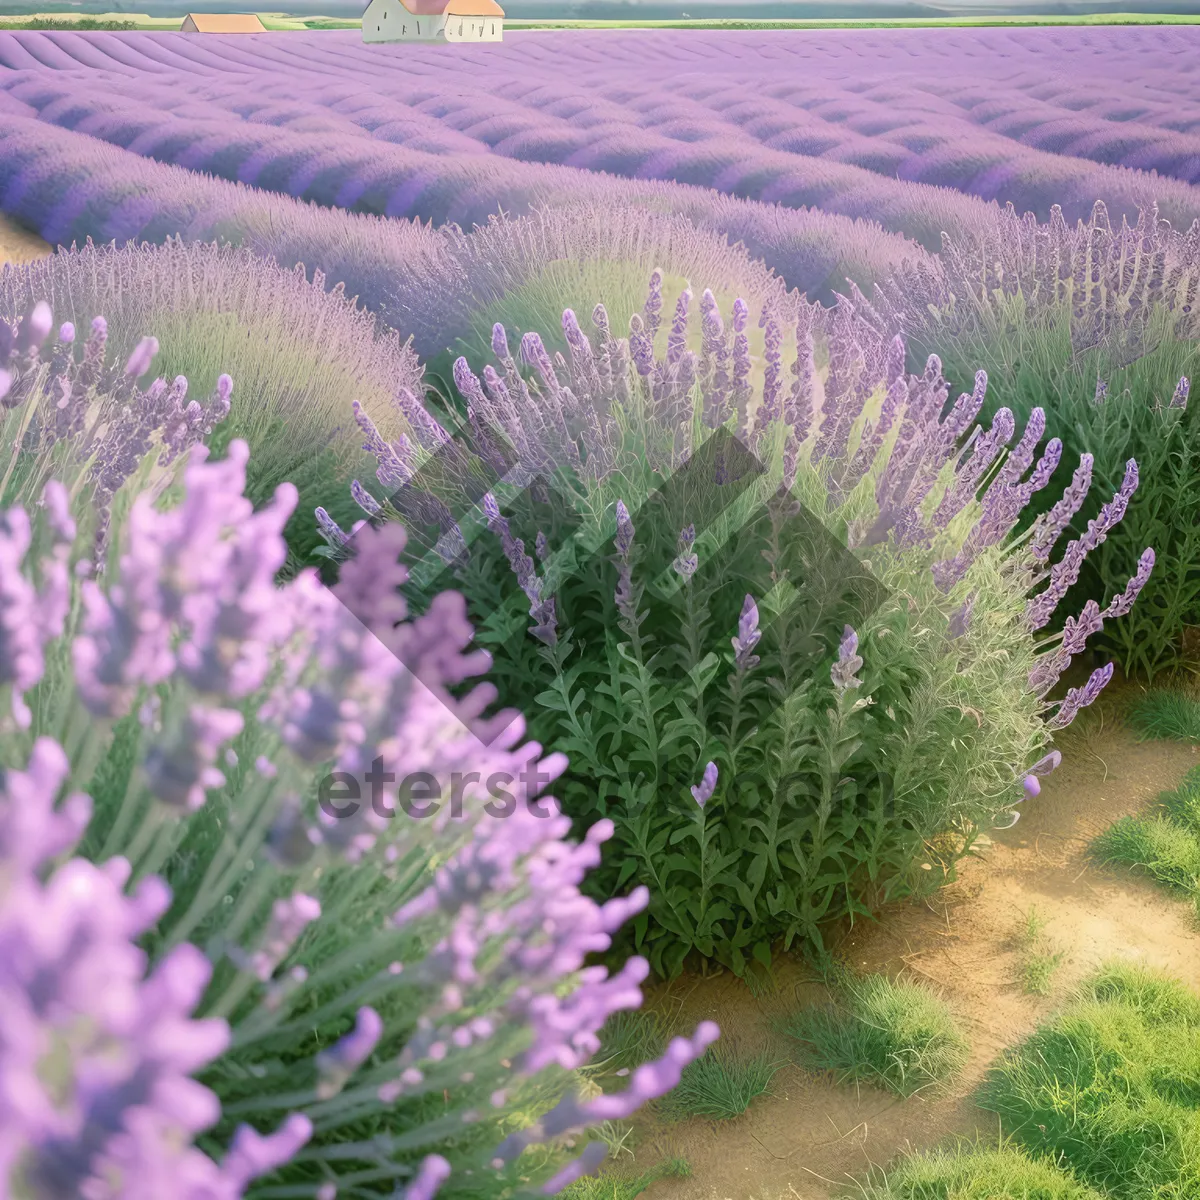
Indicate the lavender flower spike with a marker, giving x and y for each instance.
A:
(624, 539)
(748, 637)
(702, 792)
(141, 358)
(848, 663)
(1077, 698)
(1180, 399)
(336, 1064)
(686, 562)
(330, 530)
(1123, 603)
(591, 1158)
(364, 499)
(435, 1170)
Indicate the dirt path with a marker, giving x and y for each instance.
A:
(810, 1137)
(18, 245)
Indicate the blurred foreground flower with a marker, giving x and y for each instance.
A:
(402, 1002)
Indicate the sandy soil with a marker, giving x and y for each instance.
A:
(18, 245)
(810, 1138)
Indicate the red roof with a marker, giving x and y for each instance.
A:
(225, 22)
(474, 8)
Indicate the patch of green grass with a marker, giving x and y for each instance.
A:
(1165, 843)
(1182, 804)
(620, 1187)
(720, 1085)
(894, 1034)
(1164, 849)
(1111, 1087)
(1167, 714)
(975, 1173)
(1040, 960)
(1033, 928)
(1037, 972)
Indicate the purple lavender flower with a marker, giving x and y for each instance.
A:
(1049, 527)
(624, 538)
(330, 530)
(1079, 698)
(434, 1171)
(652, 313)
(748, 636)
(1180, 398)
(181, 773)
(1064, 573)
(141, 358)
(363, 499)
(1046, 764)
(677, 338)
(21, 656)
(593, 1155)
(541, 608)
(289, 918)
(640, 346)
(119, 1114)
(848, 663)
(686, 562)
(430, 435)
(1122, 603)
(336, 1064)
(702, 792)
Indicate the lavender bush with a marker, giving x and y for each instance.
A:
(798, 667)
(301, 352)
(1098, 325)
(523, 272)
(207, 979)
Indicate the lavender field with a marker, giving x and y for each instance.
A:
(847, 122)
(560, 603)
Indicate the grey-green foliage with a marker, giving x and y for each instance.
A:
(835, 795)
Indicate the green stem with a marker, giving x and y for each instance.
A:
(148, 832)
(16, 444)
(129, 808)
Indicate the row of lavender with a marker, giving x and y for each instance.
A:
(198, 706)
(1121, 309)
(69, 187)
(324, 117)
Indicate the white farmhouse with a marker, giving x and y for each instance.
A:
(433, 21)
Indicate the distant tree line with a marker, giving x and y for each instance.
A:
(68, 23)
